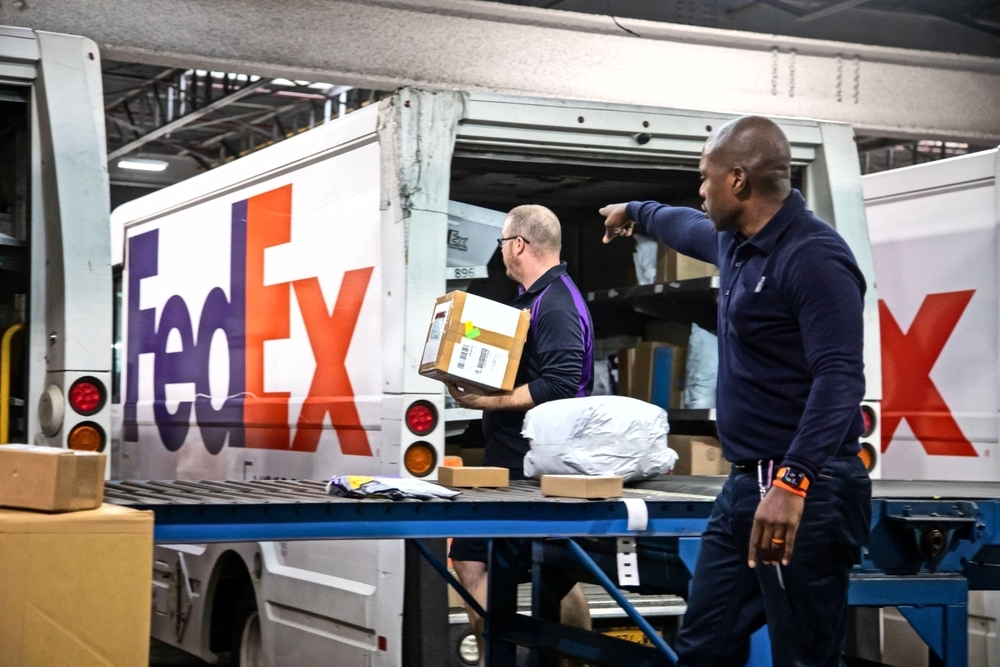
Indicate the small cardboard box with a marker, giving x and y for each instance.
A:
(470, 477)
(475, 341)
(75, 587)
(50, 479)
(672, 266)
(582, 486)
(698, 455)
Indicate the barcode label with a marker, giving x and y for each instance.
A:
(464, 355)
(484, 364)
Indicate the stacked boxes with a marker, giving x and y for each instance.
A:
(653, 372)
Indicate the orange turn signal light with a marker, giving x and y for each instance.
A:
(86, 437)
(868, 456)
(420, 459)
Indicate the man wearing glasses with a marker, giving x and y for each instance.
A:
(557, 362)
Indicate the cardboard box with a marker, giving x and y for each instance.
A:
(698, 455)
(626, 362)
(582, 486)
(469, 477)
(50, 479)
(672, 266)
(475, 341)
(75, 588)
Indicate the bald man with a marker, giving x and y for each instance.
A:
(557, 362)
(794, 513)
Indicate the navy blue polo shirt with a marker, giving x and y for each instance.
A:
(557, 362)
(791, 332)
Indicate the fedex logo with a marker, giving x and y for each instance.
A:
(253, 313)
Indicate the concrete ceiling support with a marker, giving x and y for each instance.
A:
(488, 46)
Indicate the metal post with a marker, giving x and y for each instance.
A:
(626, 606)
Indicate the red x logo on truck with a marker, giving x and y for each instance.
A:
(907, 360)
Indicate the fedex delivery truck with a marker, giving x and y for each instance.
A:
(934, 236)
(274, 311)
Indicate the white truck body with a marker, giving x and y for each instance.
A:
(934, 235)
(343, 232)
(54, 254)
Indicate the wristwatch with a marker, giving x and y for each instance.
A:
(791, 480)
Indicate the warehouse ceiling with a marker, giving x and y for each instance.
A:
(167, 124)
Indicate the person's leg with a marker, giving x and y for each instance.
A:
(469, 558)
(807, 618)
(575, 611)
(724, 606)
(472, 575)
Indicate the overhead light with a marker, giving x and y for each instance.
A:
(139, 164)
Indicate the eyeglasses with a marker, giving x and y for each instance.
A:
(511, 238)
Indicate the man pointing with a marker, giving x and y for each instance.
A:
(790, 520)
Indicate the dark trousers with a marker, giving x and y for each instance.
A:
(807, 620)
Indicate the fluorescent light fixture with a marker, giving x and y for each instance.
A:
(282, 82)
(138, 164)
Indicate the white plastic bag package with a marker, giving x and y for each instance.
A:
(598, 435)
(645, 255)
(702, 370)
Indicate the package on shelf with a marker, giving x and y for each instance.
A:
(672, 266)
(51, 479)
(698, 455)
(653, 372)
(475, 341)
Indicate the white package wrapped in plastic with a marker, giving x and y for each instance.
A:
(598, 435)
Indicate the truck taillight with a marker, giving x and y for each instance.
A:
(868, 456)
(420, 459)
(86, 396)
(868, 415)
(421, 417)
(86, 437)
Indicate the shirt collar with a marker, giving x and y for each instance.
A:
(545, 279)
(771, 233)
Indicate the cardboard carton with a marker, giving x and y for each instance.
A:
(474, 341)
(698, 455)
(672, 266)
(50, 479)
(626, 363)
(473, 477)
(582, 486)
(75, 588)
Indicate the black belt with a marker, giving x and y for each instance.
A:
(751, 466)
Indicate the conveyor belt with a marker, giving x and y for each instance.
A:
(265, 510)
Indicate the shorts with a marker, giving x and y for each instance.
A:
(476, 549)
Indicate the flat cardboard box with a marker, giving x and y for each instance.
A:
(582, 486)
(698, 455)
(473, 477)
(75, 588)
(672, 266)
(475, 341)
(50, 479)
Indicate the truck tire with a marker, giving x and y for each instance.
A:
(247, 645)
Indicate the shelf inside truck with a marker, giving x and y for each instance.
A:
(623, 310)
(692, 422)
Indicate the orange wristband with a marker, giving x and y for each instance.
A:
(787, 487)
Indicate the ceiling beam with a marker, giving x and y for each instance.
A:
(467, 45)
(177, 124)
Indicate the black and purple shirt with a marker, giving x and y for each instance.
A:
(557, 362)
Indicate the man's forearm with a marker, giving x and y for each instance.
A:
(519, 399)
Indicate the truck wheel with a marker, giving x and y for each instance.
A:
(247, 644)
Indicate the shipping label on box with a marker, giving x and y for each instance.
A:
(475, 341)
